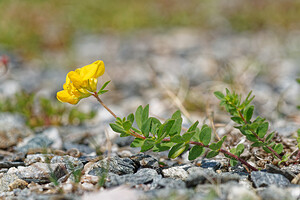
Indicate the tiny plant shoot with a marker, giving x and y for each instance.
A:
(152, 134)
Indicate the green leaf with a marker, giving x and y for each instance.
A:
(195, 152)
(248, 113)
(218, 145)
(137, 142)
(146, 127)
(127, 125)
(177, 149)
(148, 144)
(205, 135)
(298, 80)
(104, 86)
(251, 138)
(213, 146)
(164, 146)
(138, 116)
(278, 148)
(130, 118)
(269, 137)
(188, 135)
(237, 120)
(285, 158)
(102, 92)
(232, 150)
(164, 130)
(117, 128)
(177, 139)
(240, 149)
(176, 115)
(267, 150)
(145, 113)
(193, 127)
(258, 144)
(262, 129)
(219, 95)
(212, 154)
(233, 162)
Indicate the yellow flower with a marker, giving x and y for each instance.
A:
(81, 83)
(86, 77)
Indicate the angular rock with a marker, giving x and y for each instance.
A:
(34, 158)
(211, 164)
(7, 164)
(264, 179)
(70, 162)
(115, 165)
(285, 172)
(170, 183)
(143, 176)
(178, 172)
(145, 161)
(39, 172)
(123, 141)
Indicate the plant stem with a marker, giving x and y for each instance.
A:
(100, 101)
(260, 139)
(135, 134)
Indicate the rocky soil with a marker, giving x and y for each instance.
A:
(177, 69)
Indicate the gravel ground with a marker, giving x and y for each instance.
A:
(177, 69)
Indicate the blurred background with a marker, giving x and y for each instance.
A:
(170, 54)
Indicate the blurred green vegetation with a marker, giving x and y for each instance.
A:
(29, 26)
(42, 111)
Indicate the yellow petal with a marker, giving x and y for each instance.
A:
(64, 96)
(76, 79)
(93, 70)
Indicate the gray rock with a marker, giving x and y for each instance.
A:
(178, 172)
(264, 179)
(72, 164)
(211, 164)
(7, 164)
(143, 176)
(6, 180)
(285, 172)
(12, 130)
(34, 158)
(52, 134)
(145, 161)
(37, 142)
(115, 165)
(170, 183)
(276, 193)
(198, 175)
(39, 172)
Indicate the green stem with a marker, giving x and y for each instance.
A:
(260, 139)
(101, 102)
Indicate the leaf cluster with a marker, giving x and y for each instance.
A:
(152, 134)
(256, 131)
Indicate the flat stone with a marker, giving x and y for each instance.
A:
(115, 165)
(178, 172)
(81, 147)
(264, 179)
(7, 164)
(34, 158)
(124, 141)
(39, 172)
(143, 176)
(19, 183)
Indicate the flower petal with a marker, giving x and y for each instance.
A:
(64, 96)
(76, 79)
(93, 70)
